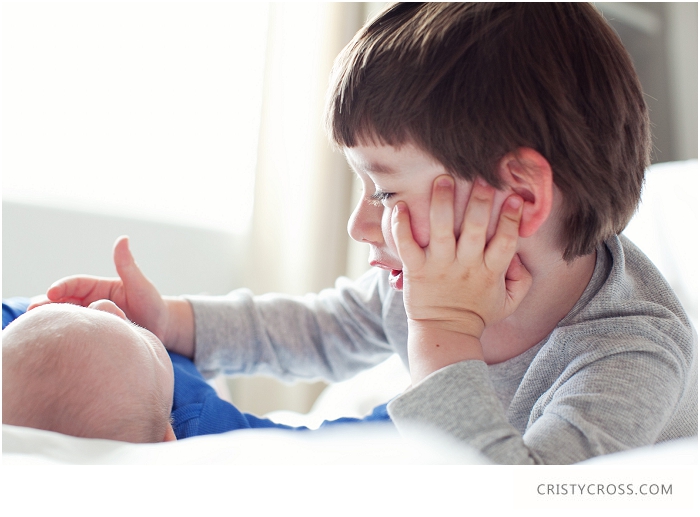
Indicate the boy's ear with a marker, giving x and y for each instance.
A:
(527, 173)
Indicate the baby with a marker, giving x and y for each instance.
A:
(86, 372)
(90, 372)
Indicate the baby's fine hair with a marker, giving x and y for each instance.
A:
(52, 381)
(471, 82)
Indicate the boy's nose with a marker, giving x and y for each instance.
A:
(365, 223)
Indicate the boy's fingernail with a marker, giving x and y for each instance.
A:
(515, 202)
(445, 181)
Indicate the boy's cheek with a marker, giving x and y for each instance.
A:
(463, 190)
(420, 220)
(420, 227)
(460, 210)
(421, 233)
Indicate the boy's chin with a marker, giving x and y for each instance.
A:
(396, 279)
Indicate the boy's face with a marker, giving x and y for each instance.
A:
(389, 175)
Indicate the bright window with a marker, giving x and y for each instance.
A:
(148, 110)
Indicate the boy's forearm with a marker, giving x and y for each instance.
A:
(431, 348)
(180, 333)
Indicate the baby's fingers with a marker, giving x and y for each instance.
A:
(410, 252)
(503, 245)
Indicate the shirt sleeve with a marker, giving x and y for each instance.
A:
(598, 405)
(330, 335)
(460, 401)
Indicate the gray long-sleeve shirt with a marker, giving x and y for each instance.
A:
(619, 371)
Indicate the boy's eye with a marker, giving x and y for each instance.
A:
(379, 197)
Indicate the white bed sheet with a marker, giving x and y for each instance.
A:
(366, 444)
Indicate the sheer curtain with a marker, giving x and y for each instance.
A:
(303, 188)
(304, 191)
(144, 116)
(145, 110)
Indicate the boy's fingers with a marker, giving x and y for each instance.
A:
(38, 301)
(127, 269)
(518, 280)
(81, 290)
(410, 252)
(442, 238)
(472, 238)
(503, 245)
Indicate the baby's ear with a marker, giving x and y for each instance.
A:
(527, 173)
(169, 434)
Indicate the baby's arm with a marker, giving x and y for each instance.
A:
(169, 318)
(453, 289)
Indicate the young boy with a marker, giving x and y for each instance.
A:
(502, 149)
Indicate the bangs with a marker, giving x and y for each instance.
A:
(469, 83)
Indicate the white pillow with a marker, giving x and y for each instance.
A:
(665, 227)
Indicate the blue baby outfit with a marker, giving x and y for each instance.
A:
(198, 410)
(13, 308)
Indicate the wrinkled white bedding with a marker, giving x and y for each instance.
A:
(366, 444)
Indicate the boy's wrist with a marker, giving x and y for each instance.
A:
(466, 323)
(180, 328)
(431, 348)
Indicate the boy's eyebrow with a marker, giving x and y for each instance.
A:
(377, 168)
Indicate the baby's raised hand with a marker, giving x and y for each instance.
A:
(453, 289)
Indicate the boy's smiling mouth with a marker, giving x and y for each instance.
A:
(396, 279)
(395, 275)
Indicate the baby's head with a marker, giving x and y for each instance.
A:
(470, 83)
(86, 372)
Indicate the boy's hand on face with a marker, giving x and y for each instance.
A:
(454, 289)
(133, 293)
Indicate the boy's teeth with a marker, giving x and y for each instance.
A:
(396, 279)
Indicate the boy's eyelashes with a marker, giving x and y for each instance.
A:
(379, 197)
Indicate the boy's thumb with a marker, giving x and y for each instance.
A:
(124, 261)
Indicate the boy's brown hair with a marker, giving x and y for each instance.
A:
(471, 82)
